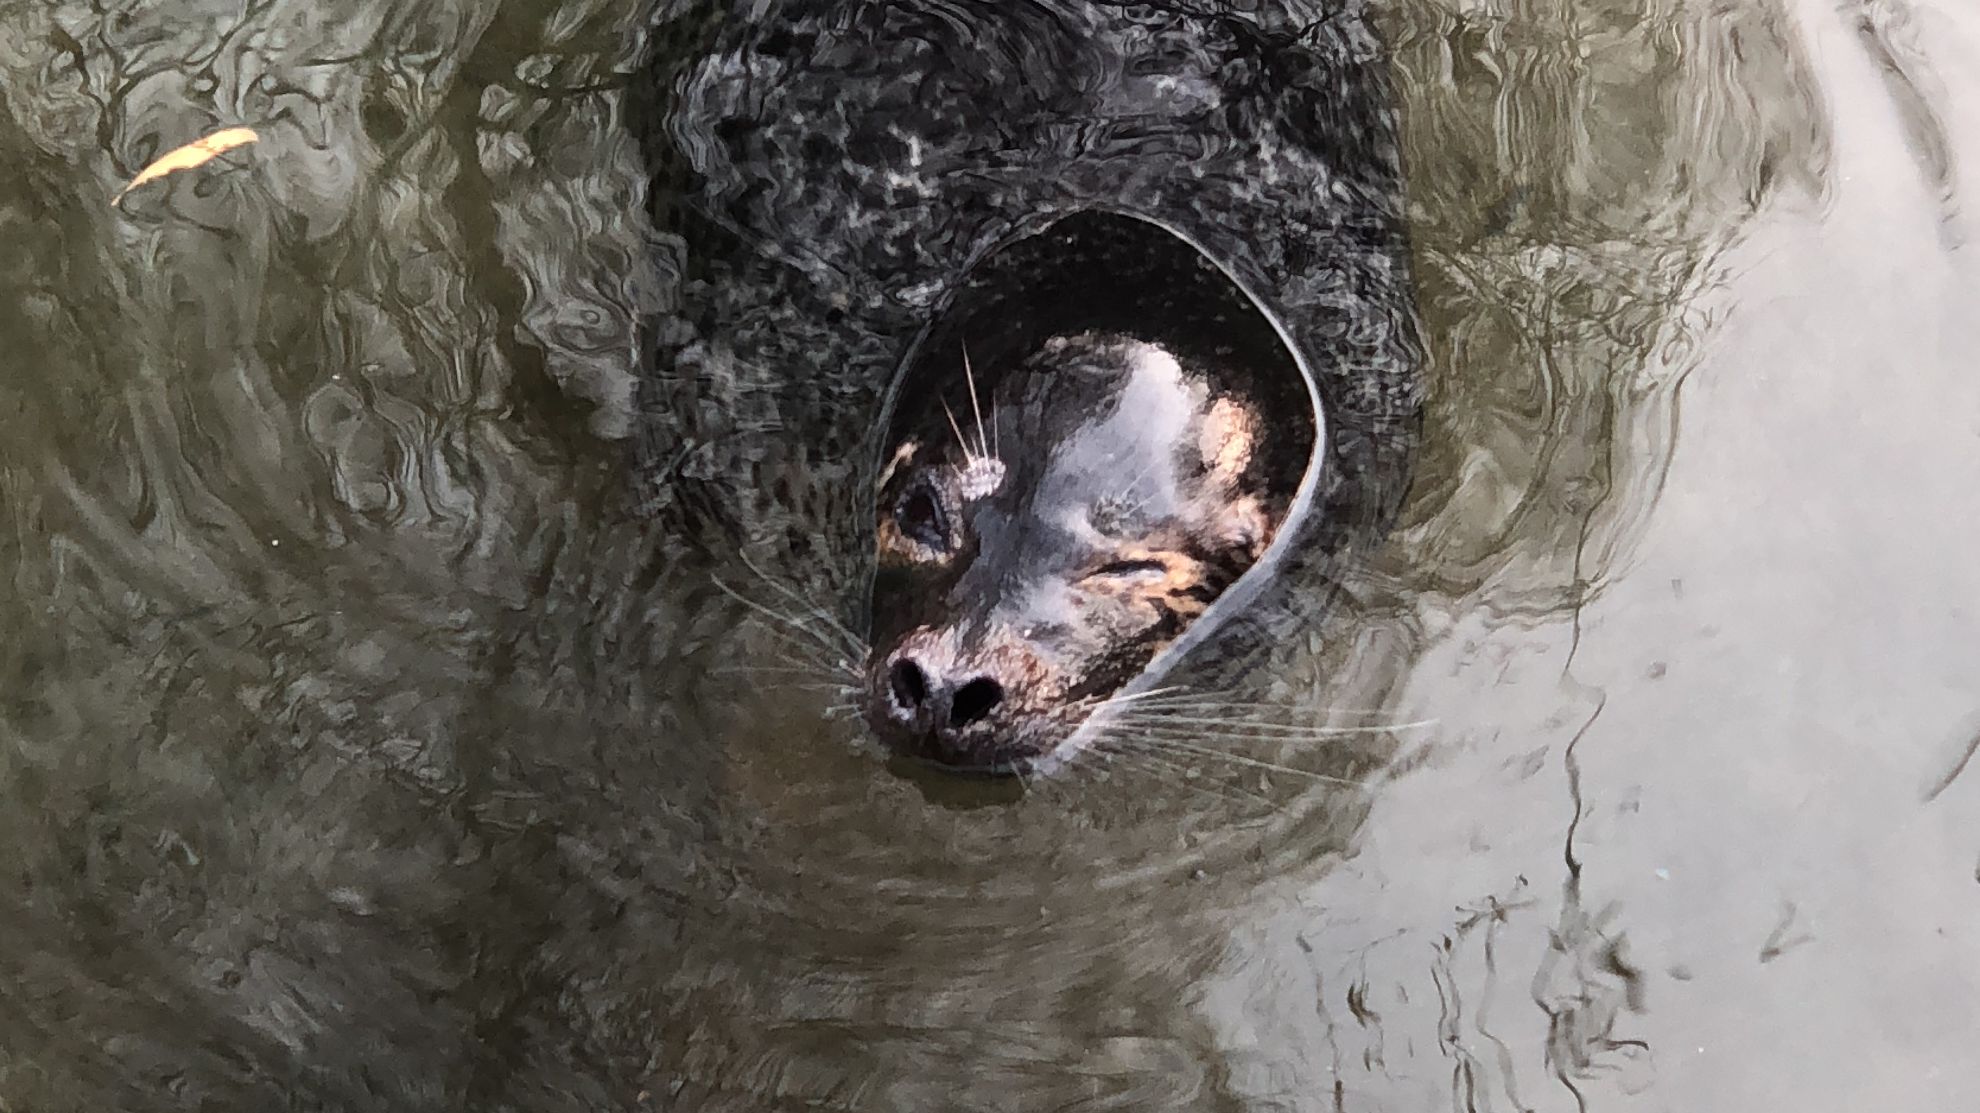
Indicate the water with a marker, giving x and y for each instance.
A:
(369, 740)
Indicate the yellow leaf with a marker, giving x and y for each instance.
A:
(195, 153)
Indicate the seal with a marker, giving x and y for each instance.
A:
(1052, 515)
(1159, 252)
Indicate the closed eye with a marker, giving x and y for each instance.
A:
(1125, 568)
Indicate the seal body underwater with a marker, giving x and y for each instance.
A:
(1084, 330)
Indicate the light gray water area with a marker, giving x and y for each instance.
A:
(381, 729)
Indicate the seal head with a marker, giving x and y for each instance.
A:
(1040, 542)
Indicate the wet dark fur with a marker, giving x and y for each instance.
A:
(840, 167)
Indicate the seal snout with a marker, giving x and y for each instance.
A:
(932, 700)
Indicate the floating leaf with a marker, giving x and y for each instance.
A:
(196, 153)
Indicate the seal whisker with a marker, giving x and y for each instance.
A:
(1093, 760)
(796, 622)
(783, 621)
(1250, 762)
(838, 689)
(1232, 738)
(1241, 728)
(1192, 700)
(1134, 697)
(785, 670)
(969, 374)
(1157, 717)
(1188, 697)
(961, 442)
(812, 677)
(1207, 736)
(853, 641)
(1191, 777)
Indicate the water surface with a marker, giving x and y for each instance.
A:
(371, 738)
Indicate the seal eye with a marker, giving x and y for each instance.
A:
(921, 519)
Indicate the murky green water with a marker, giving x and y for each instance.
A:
(371, 739)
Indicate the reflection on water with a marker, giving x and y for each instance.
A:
(370, 737)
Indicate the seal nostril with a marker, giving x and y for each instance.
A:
(909, 684)
(974, 700)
